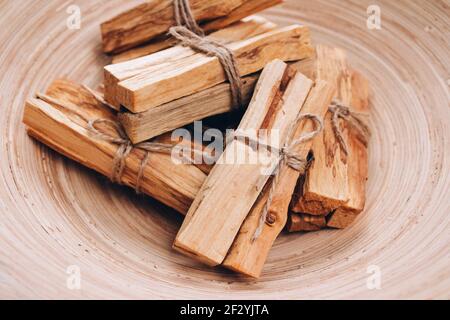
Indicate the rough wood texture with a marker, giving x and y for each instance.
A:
(356, 95)
(246, 28)
(174, 80)
(247, 255)
(65, 130)
(305, 222)
(56, 214)
(232, 188)
(358, 160)
(118, 72)
(155, 17)
(326, 183)
(175, 114)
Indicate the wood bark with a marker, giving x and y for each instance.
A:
(231, 189)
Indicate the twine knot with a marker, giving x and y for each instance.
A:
(288, 156)
(125, 148)
(355, 120)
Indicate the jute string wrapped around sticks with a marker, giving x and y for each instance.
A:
(287, 156)
(125, 146)
(353, 119)
(190, 34)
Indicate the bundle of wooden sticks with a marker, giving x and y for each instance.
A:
(158, 83)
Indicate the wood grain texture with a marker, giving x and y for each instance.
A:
(154, 18)
(248, 255)
(326, 182)
(56, 214)
(254, 25)
(151, 88)
(64, 127)
(235, 182)
(151, 63)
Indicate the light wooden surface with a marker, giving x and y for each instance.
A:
(55, 213)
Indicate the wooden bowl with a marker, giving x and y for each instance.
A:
(59, 218)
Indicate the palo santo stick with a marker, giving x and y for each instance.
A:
(305, 222)
(65, 130)
(198, 72)
(326, 185)
(116, 73)
(155, 17)
(247, 28)
(357, 160)
(248, 255)
(230, 190)
(175, 114)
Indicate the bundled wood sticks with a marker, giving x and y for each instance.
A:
(334, 187)
(154, 18)
(290, 153)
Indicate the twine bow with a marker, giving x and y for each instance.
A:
(288, 156)
(341, 111)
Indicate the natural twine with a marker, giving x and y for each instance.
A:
(190, 35)
(341, 111)
(288, 156)
(184, 17)
(125, 145)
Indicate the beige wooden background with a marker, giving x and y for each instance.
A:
(56, 214)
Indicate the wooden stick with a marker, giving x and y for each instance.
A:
(65, 130)
(169, 116)
(199, 72)
(154, 18)
(244, 29)
(357, 161)
(230, 190)
(247, 255)
(326, 185)
(355, 93)
(116, 73)
(175, 114)
(305, 222)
